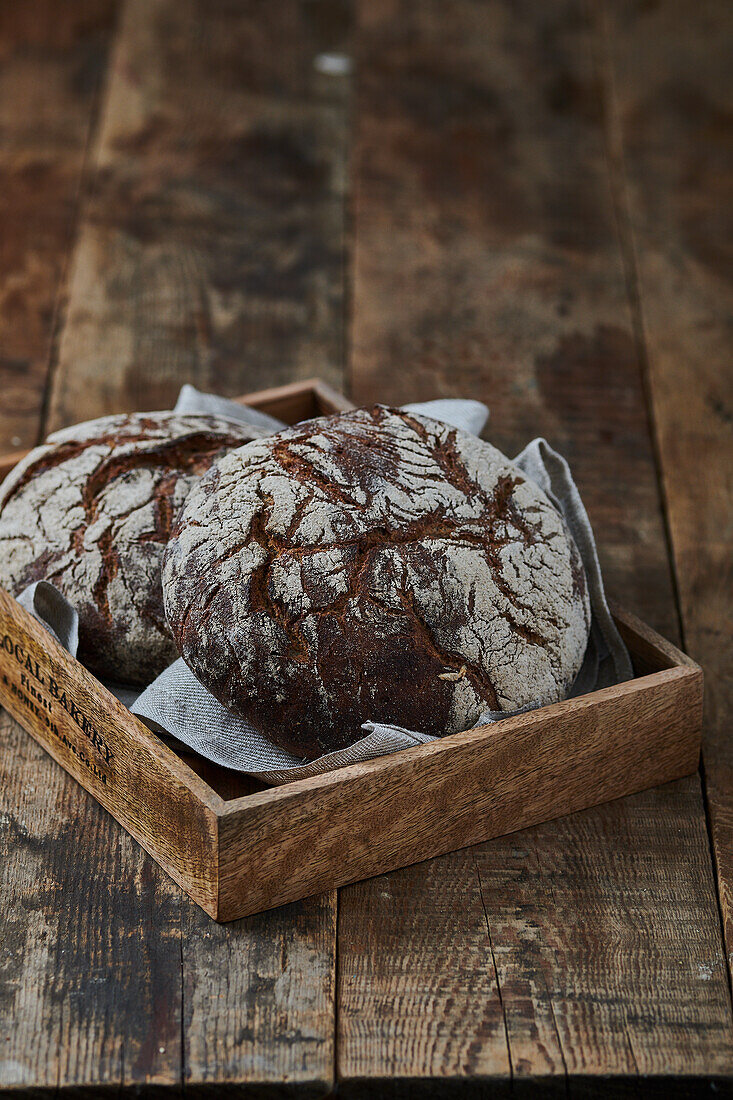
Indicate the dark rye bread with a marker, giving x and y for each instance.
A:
(373, 565)
(91, 511)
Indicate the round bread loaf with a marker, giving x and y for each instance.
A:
(91, 511)
(373, 565)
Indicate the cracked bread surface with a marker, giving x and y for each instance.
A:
(373, 565)
(91, 511)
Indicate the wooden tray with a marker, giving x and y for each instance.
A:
(238, 848)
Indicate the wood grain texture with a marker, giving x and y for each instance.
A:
(211, 249)
(258, 1000)
(642, 981)
(51, 60)
(488, 264)
(90, 962)
(389, 979)
(509, 912)
(672, 129)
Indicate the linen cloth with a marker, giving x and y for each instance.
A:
(178, 707)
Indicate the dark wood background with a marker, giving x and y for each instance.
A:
(519, 201)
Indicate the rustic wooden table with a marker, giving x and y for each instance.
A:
(521, 202)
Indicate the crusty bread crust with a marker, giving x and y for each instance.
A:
(373, 565)
(91, 511)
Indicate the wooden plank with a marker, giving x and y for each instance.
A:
(51, 60)
(90, 958)
(673, 136)
(418, 982)
(258, 1001)
(424, 932)
(628, 959)
(487, 264)
(68, 963)
(211, 251)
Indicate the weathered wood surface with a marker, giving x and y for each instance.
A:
(211, 248)
(541, 959)
(603, 922)
(489, 187)
(488, 262)
(259, 999)
(90, 962)
(673, 132)
(52, 60)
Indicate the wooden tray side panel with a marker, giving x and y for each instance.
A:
(373, 817)
(650, 652)
(298, 401)
(160, 801)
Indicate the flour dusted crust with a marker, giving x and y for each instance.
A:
(373, 565)
(91, 511)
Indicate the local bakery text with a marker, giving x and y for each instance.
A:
(40, 693)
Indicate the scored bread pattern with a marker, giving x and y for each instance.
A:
(91, 511)
(373, 565)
